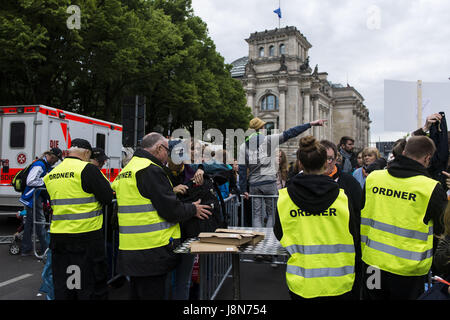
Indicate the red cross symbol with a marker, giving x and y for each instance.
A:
(21, 158)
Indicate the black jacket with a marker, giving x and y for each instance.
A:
(153, 183)
(92, 181)
(404, 167)
(314, 194)
(351, 187)
(439, 161)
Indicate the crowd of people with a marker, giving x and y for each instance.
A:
(339, 213)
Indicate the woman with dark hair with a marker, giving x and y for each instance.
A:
(315, 223)
(345, 180)
(282, 173)
(295, 169)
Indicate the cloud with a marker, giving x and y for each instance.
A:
(408, 40)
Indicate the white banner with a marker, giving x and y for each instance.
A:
(400, 103)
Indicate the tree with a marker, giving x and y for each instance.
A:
(158, 49)
(200, 87)
(37, 52)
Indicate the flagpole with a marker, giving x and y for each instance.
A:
(279, 18)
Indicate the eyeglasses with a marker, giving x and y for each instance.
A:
(167, 149)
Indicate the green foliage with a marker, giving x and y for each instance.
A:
(156, 48)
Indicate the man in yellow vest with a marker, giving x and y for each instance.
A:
(402, 208)
(77, 191)
(149, 214)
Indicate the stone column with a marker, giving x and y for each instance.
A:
(320, 129)
(358, 125)
(250, 100)
(251, 91)
(329, 124)
(316, 116)
(282, 110)
(354, 129)
(324, 128)
(306, 107)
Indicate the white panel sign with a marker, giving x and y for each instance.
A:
(400, 103)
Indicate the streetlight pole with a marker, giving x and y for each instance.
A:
(169, 122)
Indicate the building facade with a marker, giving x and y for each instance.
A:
(284, 91)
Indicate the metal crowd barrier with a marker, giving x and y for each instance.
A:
(215, 268)
(252, 197)
(44, 223)
(114, 274)
(232, 209)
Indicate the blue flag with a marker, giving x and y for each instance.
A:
(278, 12)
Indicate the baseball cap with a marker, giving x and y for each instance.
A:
(173, 144)
(99, 154)
(178, 151)
(57, 152)
(81, 143)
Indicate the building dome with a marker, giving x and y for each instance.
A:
(238, 70)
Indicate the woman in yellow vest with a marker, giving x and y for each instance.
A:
(316, 224)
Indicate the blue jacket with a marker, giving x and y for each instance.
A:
(359, 176)
(27, 195)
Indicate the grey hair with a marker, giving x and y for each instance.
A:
(77, 149)
(151, 139)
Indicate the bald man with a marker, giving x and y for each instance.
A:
(149, 215)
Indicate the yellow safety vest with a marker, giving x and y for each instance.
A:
(74, 211)
(140, 226)
(394, 237)
(321, 248)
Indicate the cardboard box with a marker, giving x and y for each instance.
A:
(256, 236)
(225, 238)
(239, 231)
(204, 247)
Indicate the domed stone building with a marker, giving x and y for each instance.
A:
(284, 91)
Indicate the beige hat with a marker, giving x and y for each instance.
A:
(256, 123)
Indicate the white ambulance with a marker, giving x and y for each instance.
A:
(27, 131)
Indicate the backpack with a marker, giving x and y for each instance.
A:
(19, 182)
(210, 195)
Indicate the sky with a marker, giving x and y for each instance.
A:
(362, 42)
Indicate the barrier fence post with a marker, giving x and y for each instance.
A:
(242, 211)
(35, 223)
(105, 227)
(236, 276)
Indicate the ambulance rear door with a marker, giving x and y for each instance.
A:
(58, 134)
(17, 148)
(100, 139)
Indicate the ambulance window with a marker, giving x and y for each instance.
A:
(100, 142)
(17, 135)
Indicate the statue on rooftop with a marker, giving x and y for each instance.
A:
(305, 66)
(283, 66)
